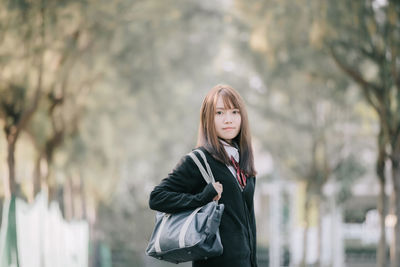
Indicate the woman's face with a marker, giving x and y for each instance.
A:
(227, 121)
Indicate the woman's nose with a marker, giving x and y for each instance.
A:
(228, 117)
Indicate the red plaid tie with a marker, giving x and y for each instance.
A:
(239, 173)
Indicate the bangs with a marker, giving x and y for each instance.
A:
(229, 99)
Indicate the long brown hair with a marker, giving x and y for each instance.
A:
(207, 136)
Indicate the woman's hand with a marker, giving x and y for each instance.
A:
(219, 189)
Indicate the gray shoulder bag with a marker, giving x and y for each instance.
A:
(189, 235)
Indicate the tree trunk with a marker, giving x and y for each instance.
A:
(319, 232)
(50, 183)
(10, 249)
(82, 197)
(77, 197)
(68, 204)
(305, 235)
(93, 238)
(10, 183)
(37, 180)
(382, 208)
(382, 200)
(395, 257)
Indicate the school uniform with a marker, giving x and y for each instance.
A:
(185, 188)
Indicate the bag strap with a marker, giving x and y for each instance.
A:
(207, 165)
(207, 175)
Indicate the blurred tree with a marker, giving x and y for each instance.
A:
(21, 87)
(305, 98)
(20, 92)
(363, 39)
(62, 58)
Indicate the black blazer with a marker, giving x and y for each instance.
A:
(185, 188)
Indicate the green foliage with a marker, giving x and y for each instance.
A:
(367, 51)
(347, 172)
(349, 169)
(306, 99)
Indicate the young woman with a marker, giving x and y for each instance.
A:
(224, 137)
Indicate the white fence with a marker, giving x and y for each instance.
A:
(44, 238)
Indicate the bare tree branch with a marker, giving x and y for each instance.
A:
(366, 86)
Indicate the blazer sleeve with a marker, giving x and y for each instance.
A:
(183, 189)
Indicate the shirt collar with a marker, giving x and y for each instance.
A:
(230, 150)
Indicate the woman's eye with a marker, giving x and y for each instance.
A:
(219, 112)
(236, 112)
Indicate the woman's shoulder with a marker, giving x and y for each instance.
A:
(202, 148)
(187, 159)
(210, 157)
(206, 152)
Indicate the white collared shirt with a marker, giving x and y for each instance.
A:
(231, 151)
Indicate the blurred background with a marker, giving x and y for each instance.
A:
(100, 99)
